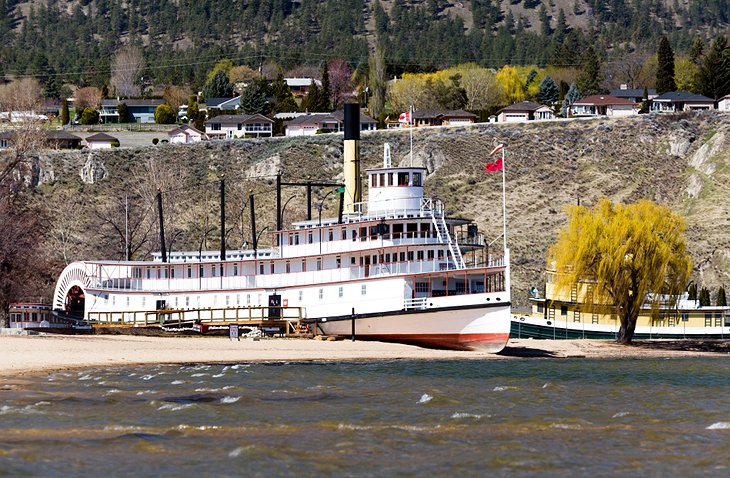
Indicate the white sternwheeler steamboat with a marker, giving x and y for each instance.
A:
(392, 268)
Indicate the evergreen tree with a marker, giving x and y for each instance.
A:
(704, 297)
(312, 102)
(65, 119)
(123, 112)
(279, 89)
(665, 70)
(695, 52)
(692, 291)
(589, 81)
(548, 93)
(326, 90)
(714, 75)
(571, 97)
(721, 298)
(218, 86)
(253, 100)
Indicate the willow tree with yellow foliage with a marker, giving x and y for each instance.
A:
(632, 253)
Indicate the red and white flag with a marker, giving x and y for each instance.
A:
(497, 149)
(495, 166)
(405, 117)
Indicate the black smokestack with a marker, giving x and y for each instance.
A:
(352, 121)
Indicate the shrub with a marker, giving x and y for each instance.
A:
(164, 114)
(89, 116)
(115, 144)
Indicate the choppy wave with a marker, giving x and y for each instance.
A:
(229, 399)
(175, 407)
(425, 398)
(460, 415)
(719, 426)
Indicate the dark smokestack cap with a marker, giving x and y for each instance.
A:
(352, 121)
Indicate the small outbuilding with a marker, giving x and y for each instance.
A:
(101, 141)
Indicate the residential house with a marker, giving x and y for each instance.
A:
(223, 104)
(101, 141)
(442, 118)
(308, 124)
(59, 139)
(185, 134)
(300, 86)
(525, 111)
(138, 111)
(633, 94)
(54, 139)
(604, 105)
(724, 104)
(238, 126)
(681, 101)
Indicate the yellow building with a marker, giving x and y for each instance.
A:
(567, 314)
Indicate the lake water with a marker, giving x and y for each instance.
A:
(537, 417)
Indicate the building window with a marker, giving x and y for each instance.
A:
(321, 294)
(304, 265)
(340, 292)
(319, 263)
(417, 179)
(564, 310)
(288, 267)
(363, 290)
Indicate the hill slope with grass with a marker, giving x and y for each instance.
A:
(680, 160)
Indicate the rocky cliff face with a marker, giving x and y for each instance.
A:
(680, 160)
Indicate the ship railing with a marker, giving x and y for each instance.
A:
(466, 239)
(426, 208)
(260, 315)
(296, 278)
(418, 303)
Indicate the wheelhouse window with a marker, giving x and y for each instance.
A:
(417, 179)
(402, 179)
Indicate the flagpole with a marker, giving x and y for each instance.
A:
(411, 128)
(504, 203)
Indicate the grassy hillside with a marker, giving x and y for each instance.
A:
(682, 160)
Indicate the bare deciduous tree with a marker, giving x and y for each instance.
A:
(126, 68)
(482, 89)
(377, 81)
(175, 96)
(21, 99)
(340, 75)
(89, 97)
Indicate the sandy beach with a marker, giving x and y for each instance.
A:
(44, 353)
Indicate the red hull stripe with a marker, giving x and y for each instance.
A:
(489, 342)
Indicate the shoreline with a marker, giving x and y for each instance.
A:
(32, 355)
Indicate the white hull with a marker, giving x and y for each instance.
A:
(485, 329)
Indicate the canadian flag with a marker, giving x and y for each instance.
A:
(495, 166)
(405, 117)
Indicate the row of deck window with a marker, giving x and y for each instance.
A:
(381, 180)
(217, 270)
(377, 231)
